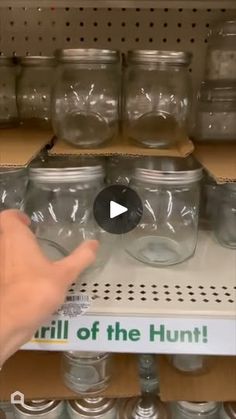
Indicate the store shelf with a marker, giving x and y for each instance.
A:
(218, 383)
(39, 376)
(190, 306)
(119, 3)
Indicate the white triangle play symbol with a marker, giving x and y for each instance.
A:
(116, 209)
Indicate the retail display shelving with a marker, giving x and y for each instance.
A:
(130, 307)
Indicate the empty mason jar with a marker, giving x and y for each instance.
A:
(191, 364)
(221, 51)
(86, 96)
(216, 112)
(96, 407)
(8, 108)
(147, 406)
(228, 410)
(170, 191)
(44, 409)
(224, 216)
(60, 204)
(87, 373)
(157, 97)
(13, 184)
(34, 89)
(195, 410)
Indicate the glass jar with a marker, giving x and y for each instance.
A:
(170, 191)
(86, 96)
(8, 108)
(87, 373)
(195, 410)
(190, 364)
(157, 97)
(34, 88)
(228, 410)
(221, 52)
(13, 185)
(147, 406)
(148, 373)
(224, 216)
(44, 409)
(96, 407)
(216, 113)
(59, 202)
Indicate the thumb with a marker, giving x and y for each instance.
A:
(73, 265)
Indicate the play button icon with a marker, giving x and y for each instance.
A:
(118, 209)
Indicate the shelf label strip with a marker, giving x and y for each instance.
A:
(137, 334)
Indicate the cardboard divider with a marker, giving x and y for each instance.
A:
(218, 159)
(122, 146)
(20, 145)
(218, 384)
(38, 375)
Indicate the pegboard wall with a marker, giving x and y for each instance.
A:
(40, 31)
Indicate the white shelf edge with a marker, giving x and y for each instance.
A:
(142, 335)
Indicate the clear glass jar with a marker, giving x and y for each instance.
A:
(96, 407)
(157, 96)
(59, 202)
(216, 112)
(147, 406)
(191, 364)
(228, 410)
(8, 108)
(34, 88)
(224, 216)
(195, 410)
(85, 108)
(221, 52)
(13, 185)
(170, 192)
(148, 373)
(44, 409)
(87, 373)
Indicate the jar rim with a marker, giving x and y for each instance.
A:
(218, 92)
(38, 406)
(37, 60)
(158, 56)
(66, 175)
(98, 405)
(87, 55)
(170, 170)
(200, 407)
(6, 60)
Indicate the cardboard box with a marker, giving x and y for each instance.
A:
(219, 160)
(38, 375)
(19, 146)
(218, 384)
(122, 146)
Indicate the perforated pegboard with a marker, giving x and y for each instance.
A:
(42, 30)
(197, 287)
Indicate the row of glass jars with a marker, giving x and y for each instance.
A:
(216, 112)
(87, 105)
(146, 406)
(61, 192)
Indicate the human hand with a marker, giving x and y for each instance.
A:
(31, 286)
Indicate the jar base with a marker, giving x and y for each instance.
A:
(157, 251)
(82, 389)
